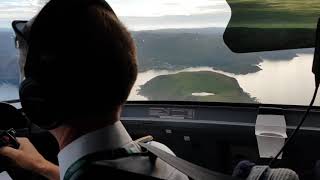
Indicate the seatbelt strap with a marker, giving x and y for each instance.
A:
(102, 155)
(193, 171)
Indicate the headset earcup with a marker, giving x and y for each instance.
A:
(34, 104)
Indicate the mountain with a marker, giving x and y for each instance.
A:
(181, 48)
(170, 49)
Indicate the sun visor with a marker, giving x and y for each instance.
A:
(267, 25)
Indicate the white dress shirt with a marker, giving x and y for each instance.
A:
(108, 138)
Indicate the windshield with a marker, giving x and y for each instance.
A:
(182, 55)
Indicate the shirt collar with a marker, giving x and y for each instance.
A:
(110, 137)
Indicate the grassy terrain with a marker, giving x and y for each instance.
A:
(274, 13)
(180, 87)
(244, 40)
(265, 25)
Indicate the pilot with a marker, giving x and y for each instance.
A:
(79, 65)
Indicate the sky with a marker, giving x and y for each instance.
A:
(139, 14)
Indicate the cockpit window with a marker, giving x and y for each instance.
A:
(9, 69)
(183, 56)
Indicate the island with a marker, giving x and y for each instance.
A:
(195, 86)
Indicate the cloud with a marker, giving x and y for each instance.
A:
(18, 9)
(171, 4)
(152, 8)
(216, 7)
(137, 13)
(219, 19)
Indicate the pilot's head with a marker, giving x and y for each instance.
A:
(80, 60)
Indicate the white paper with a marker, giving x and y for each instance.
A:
(271, 133)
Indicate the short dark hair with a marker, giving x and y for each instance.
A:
(87, 63)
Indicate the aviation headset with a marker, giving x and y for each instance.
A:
(32, 94)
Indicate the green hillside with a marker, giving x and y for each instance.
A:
(274, 13)
(266, 25)
(180, 87)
